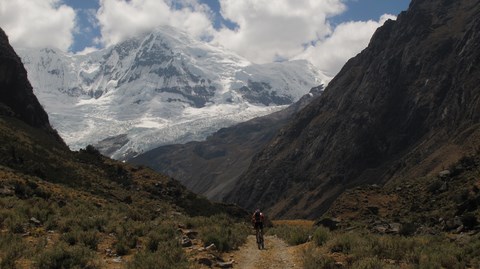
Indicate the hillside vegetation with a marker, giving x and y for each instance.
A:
(62, 209)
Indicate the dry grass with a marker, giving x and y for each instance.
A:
(366, 250)
(298, 222)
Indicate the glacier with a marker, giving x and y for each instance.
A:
(159, 88)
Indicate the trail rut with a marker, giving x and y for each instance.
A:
(277, 254)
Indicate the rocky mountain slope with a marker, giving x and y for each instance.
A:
(406, 106)
(160, 88)
(16, 93)
(212, 167)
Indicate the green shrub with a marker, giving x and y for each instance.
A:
(222, 237)
(15, 223)
(63, 256)
(122, 247)
(395, 247)
(71, 237)
(438, 254)
(89, 238)
(369, 263)
(171, 256)
(159, 235)
(321, 235)
(314, 260)
(11, 249)
(347, 243)
(292, 234)
(220, 230)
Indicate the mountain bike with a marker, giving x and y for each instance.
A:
(259, 237)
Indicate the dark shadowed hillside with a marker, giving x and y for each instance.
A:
(212, 167)
(406, 106)
(16, 92)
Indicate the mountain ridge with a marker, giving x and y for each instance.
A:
(212, 167)
(406, 106)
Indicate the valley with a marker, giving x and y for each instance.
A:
(154, 152)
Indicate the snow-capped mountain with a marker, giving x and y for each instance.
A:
(160, 88)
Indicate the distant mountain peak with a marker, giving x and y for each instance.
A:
(159, 88)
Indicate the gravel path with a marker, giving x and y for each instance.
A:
(276, 255)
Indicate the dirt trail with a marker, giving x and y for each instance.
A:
(277, 254)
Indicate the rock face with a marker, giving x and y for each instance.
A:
(212, 167)
(405, 106)
(16, 95)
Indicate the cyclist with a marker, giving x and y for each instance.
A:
(257, 221)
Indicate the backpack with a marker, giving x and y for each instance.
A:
(258, 216)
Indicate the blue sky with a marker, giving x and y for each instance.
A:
(324, 32)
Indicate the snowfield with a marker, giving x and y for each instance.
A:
(160, 88)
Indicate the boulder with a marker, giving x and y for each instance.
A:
(330, 223)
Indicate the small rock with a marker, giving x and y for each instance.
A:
(444, 187)
(205, 261)
(35, 221)
(6, 191)
(225, 264)
(444, 173)
(191, 234)
(394, 228)
(117, 259)
(186, 242)
(389, 261)
(380, 229)
(211, 247)
(108, 251)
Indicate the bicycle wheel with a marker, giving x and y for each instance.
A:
(260, 242)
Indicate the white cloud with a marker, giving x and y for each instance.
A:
(38, 23)
(121, 19)
(87, 50)
(275, 29)
(268, 30)
(347, 40)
